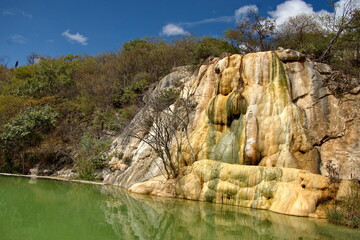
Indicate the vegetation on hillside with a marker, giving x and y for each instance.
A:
(62, 110)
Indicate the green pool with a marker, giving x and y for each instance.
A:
(45, 209)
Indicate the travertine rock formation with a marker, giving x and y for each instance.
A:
(132, 160)
(283, 190)
(267, 109)
(272, 109)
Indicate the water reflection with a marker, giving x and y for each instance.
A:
(144, 217)
(44, 209)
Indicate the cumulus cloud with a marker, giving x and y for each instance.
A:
(173, 30)
(341, 5)
(242, 12)
(290, 8)
(17, 38)
(77, 37)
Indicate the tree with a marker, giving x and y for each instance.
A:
(303, 33)
(341, 24)
(183, 51)
(49, 77)
(212, 47)
(252, 34)
(4, 61)
(33, 58)
(144, 55)
(4, 77)
(25, 130)
(165, 129)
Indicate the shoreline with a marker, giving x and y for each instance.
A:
(52, 178)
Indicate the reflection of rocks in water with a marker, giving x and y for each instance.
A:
(33, 180)
(135, 216)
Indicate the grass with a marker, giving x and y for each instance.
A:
(347, 210)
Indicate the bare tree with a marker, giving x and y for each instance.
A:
(33, 58)
(297, 27)
(4, 61)
(341, 21)
(165, 129)
(254, 33)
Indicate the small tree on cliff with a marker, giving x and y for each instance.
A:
(165, 129)
(252, 34)
(341, 22)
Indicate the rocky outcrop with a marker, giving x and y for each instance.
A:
(282, 190)
(133, 161)
(270, 110)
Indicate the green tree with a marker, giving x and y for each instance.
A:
(50, 76)
(212, 47)
(27, 129)
(140, 55)
(91, 156)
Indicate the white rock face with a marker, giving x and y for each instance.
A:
(267, 109)
(134, 161)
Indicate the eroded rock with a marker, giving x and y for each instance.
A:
(269, 109)
(283, 190)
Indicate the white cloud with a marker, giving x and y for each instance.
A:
(290, 8)
(17, 38)
(75, 37)
(26, 14)
(340, 5)
(13, 12)
(172, 30)
(8, 13)
(227, 19)
(242, 12)
(176, 29)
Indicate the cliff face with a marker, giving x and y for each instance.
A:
(267, 109)
(272, 109)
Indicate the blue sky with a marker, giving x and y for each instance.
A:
(54, 28)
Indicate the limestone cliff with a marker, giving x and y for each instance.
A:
(283, 190)
(271, 109)
(267, 109)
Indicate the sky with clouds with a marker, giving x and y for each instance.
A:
(54, 28)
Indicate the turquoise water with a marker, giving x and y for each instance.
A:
(44, 209)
